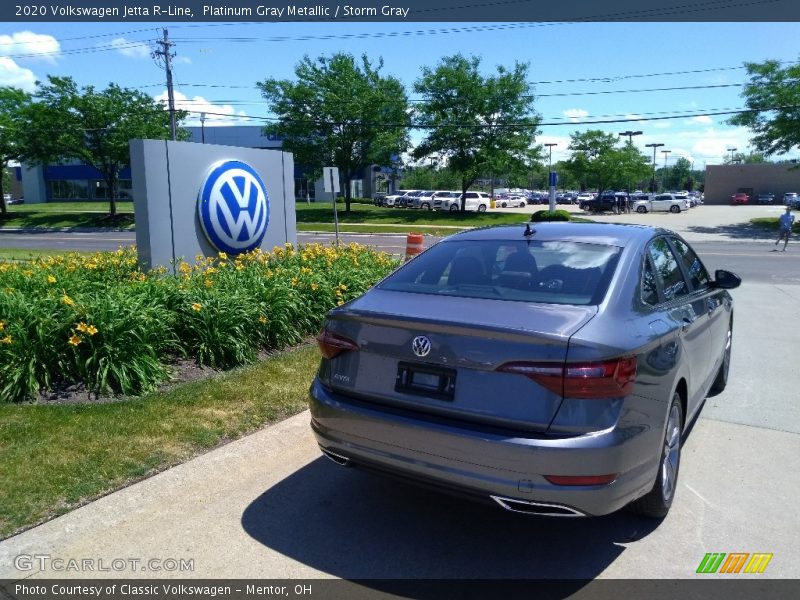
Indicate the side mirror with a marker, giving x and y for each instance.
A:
(725, 280)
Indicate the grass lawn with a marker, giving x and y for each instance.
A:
(366, 213)
(67, 215)
(32, 253)
(771, 224)
(438, 231)
(54, 458)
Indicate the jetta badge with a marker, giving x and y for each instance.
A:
(421, 346)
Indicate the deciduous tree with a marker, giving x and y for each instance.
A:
(482, 125)
(92, 126)
(340, 112)
(772, 96)
(12, 106)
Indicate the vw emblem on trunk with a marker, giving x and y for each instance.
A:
(234, 207)
(421, 346)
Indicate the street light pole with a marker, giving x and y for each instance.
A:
(732, 150)
(202, 128)
(665, 152)
(550, 178)
(653, 182)
(630, 135)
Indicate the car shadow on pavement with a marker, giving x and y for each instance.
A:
(357, 525)
(735, 231)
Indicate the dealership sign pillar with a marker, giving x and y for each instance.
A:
(200, 199)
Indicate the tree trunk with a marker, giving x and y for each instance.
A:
(347, 197)
(3, 208)
(111, 187)
(464, 188)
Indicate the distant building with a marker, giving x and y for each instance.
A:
(76, 181)
(723, 181)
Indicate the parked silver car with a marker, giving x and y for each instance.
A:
(551, 370)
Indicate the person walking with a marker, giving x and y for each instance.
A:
(785, 223)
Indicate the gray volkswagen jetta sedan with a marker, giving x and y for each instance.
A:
(550, 368)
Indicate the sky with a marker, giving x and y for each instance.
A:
(581, 71)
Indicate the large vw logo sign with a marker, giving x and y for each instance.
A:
(421, 346)
(233, 207)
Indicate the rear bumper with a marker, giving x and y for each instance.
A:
(488, 464)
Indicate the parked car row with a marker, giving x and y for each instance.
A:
(435, 200)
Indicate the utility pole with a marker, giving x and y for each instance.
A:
(165, 53)
(653, 146)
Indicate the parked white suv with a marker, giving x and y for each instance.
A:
(479, 201)
(673, 203)
(390, 199)
(423, 200)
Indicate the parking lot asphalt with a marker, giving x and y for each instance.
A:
(269, 506)
(700, 224)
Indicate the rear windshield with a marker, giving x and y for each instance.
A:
(556, 272)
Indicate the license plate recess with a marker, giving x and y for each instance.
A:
(426, 380)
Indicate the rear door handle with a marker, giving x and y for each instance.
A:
(686, 323)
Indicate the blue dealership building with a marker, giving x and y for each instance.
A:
(80, 182)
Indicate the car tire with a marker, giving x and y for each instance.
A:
(674, 209)
(522, 205)
(721, 380)
(425, 206)
(503, 205)
(657, 502)
(481, 208)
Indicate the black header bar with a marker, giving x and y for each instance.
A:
(256, 11)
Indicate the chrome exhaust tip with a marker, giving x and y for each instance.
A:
(340, 460)
(543, 509)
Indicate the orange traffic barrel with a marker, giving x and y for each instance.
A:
(414, 245)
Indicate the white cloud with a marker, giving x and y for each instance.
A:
(575, 114)
(185, 60)
(216, 114)
(661, 125)
(11, 74)
(703, 119)
(34, 46)
(131, 49)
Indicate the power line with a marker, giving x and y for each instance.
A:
(637, 119)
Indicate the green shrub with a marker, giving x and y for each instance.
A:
(546, 215)
(101, 321)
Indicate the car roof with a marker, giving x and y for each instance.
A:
(607, 233)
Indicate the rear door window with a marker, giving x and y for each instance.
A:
(698, 276)
(667, 269)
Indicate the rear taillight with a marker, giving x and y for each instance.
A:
(332, 344)
(605, 379)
